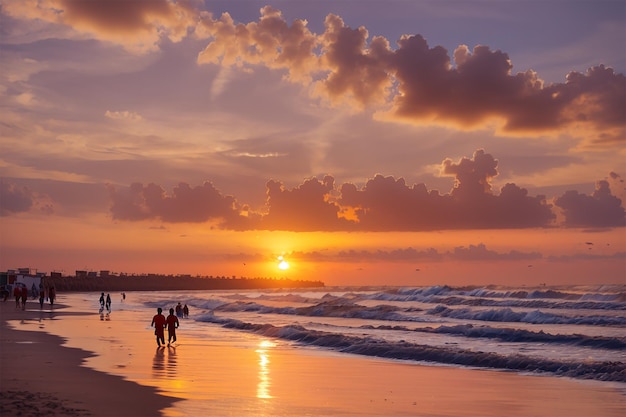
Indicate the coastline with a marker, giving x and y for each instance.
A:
(221, 372)
(40, 377)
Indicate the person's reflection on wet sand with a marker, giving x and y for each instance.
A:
(171, 362)
(158, 363)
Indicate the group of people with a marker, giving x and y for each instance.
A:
(160, 322)
(182, 311)
(20, 292)
(105, 303)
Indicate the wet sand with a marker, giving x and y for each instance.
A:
(40, 377)
(231, 373)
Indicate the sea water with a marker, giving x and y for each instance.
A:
(577, 332)
(569, 332)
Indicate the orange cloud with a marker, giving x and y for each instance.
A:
(413, 83)
(138, 25)
(384, 204)
(419, 84)
(270, 42)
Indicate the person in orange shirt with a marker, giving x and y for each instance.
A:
(158, 321)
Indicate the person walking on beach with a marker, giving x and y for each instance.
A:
(52, 295)
(185, 311)
(172, 325)
(108, 303)
(17, 293)
(24, 297)
(101, 302)
(158, 321)
(179, 310)
(42, 295)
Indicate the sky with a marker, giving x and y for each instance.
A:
(374, 142)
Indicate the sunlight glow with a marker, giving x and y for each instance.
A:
(282, 264)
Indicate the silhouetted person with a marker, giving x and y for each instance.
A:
(158, 321)
(42, 295)
(185, 311)
(24, 297)
(52, 295)
(172, 325)
(108, 303)
(17, 293)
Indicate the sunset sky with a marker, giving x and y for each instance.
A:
(374, 142)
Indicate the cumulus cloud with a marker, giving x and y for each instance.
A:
(184, 204)
(601, 209)
(270, 42)
(472, 175)
(382, 204)
(138, 25)
(14, 199)
(303, 208)
(420, 84)
(389, 204)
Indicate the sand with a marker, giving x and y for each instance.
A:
(234, 374)
(39, 377)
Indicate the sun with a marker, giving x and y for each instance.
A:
(282, 264)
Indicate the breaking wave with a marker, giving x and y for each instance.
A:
(604, 371)
(577, 332)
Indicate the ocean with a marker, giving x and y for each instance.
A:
(577, 332)
(261, 352)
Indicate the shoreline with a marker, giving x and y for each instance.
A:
(41, 377)
(224, 372)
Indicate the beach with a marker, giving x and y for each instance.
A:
(70, 361)
(40, 377)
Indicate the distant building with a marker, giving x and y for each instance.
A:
(105, 274)
(22, 277)
(81, 274)
(55, 275)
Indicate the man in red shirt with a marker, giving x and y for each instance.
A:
(158, 321)
(172, 325)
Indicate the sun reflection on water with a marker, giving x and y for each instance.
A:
(263, 387)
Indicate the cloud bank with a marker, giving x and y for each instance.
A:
(471, 88)
(382, 204)
(415, 83)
